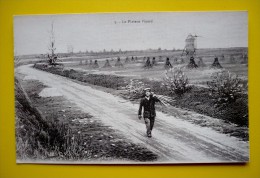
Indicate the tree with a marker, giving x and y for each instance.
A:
(52, 57)
(52, 47)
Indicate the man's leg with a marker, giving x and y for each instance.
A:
(148, 127)
(151, 123)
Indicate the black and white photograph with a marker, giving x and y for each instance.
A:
(131, 88)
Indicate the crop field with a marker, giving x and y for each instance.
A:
(135, 69)
(198, 99)
(103, 74)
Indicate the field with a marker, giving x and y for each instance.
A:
(136, 70)
(197, 99)
(100, 135)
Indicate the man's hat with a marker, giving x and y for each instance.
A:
(147, 89)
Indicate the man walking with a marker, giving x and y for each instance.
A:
(149, 113)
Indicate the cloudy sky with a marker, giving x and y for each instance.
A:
(129, 31)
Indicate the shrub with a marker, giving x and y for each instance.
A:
(176, 81)
(225, 87)
(158, 87)
(135, 88)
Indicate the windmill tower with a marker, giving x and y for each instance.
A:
(190, 45)
(190, 49)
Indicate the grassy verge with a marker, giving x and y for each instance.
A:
(197, 99)
(52, 128)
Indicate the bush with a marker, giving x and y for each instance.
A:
(225, 87)
(135, 88)
(108, 81)
(176, 81)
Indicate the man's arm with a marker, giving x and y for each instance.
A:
(156, 99)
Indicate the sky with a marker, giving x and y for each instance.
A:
(129, 31)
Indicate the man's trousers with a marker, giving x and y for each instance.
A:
(149, 122)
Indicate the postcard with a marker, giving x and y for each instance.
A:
(132, 88)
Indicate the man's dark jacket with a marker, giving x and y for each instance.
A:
(149, 109)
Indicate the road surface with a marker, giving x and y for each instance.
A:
(174, 140)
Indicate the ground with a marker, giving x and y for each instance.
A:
(174, 138)
(86, 138)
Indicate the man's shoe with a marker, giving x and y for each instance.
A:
(149, 135)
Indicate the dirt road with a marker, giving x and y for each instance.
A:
(174, 140)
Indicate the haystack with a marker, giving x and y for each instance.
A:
(118, 63)
(192, 64)
(182, 60)
(80, 62)
(148, 64)
(127, 60)
(107, 64)
(167, 64)
(244, 59)
(160, 59)
(216, 64)
(175, 60)
(90, 63)
(232, 59)
(95, 65)
(154, 61)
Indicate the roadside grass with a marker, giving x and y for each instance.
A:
(197, 99)
(52, 128)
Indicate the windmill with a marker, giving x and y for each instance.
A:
(190, 45)
(190, 49)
